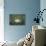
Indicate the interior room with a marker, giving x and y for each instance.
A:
(23, 23)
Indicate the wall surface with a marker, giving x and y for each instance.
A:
(43, 6)
(27, 7)
(1, 21)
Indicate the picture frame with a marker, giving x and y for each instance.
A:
(17, 19)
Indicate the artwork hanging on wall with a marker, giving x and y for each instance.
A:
(17, 19)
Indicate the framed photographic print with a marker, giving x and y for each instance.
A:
(17, 19)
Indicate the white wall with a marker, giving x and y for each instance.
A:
(43, 6)
(1, 21)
